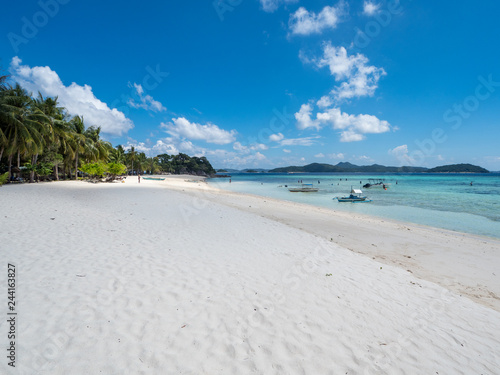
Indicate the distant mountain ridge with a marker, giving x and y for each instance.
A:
(345, 167)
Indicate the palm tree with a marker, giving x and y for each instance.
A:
(98, 148)
(152, 165)
(117, 155)
(77, 140)
(141, 162)
(24, 126)
(131, 157)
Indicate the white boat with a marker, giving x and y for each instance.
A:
(304, 188)
(354, 197)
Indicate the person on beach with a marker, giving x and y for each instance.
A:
(139, 177)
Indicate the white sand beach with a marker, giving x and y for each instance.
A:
(176, 277)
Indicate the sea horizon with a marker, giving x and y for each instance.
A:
(441, 200)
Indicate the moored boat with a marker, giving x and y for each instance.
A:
(354, 197)
(154, 178)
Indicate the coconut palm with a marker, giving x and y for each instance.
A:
(24, 125)
(117, 155)
(131, 157)
(77, 140)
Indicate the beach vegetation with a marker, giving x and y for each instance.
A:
(4, 178)
(116, 169)
(39, 139)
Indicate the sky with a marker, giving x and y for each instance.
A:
(270, 83)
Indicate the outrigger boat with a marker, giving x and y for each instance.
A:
(154, 178)
(305, 188)
(354, 197)
(376, 182)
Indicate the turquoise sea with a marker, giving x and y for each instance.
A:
(446, 201)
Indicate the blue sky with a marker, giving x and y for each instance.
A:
(267, 83)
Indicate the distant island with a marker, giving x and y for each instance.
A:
(458, 168)
(345, 167)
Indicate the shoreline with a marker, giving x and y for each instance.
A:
(446, 257)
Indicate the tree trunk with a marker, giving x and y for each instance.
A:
(19, 160)
(56, 172)
(32, 173)
(76, 166)
(1, 153)
(10, 167)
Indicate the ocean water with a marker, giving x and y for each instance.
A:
(446, 201)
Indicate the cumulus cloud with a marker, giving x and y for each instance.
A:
(304, 22)
(356, 77)
(324, 102)
(320, 155)
(304, 120)
(78, 100)
(271, 5)
(370, 8)
(276, 137)
(210, 133)
(352, 127)
(401, 153)
(287, 151)
(145, 101)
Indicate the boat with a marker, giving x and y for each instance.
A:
(154, 178)
(376, 182)
(304, 188)
(354, 197)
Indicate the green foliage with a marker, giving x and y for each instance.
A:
(182, 163)
(4, 178)
(94, 170)
(116, 169)
(44, 169)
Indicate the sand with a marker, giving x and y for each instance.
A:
(175, 277)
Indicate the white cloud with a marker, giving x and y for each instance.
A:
(276, 137)
(324, 102)
(356, 76)
(303, 22)
(78, 100)
(253, 147)
(209, 133)
(370, 8)
(242, 161)
(338, 156)
(320, 155)
(363, 158)
(401, 153)
(306, 141)
(271, 5)
(352, 127)
(145, 101)
(304, 120)
(287, 151)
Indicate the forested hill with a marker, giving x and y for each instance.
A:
(458, 168)
(345, 167)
